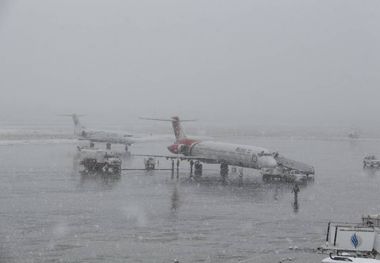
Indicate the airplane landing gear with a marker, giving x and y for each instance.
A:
(240, 176)
(224, 171)
(178, 161)
(198, 167)
(191, 168)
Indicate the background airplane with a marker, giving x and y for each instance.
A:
(109, 138)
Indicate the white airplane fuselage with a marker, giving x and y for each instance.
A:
(228, 153)
(107, 137)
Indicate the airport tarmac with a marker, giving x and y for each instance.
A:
(50, 213)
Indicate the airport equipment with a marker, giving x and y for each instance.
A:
(150, 163)
(371, 161)
(292, 165)
(284, 174)
(347, 258)
(198, 168)
(353, 242)
(99, 161)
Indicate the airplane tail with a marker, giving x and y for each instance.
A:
(176, 124)
(78, 127)
(177, 128)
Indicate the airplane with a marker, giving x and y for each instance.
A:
(226, 154)
(108, 137)
(217, 152)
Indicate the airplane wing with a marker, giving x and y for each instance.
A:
(118, 138)
(294, 165)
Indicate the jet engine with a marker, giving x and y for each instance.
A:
(183, 149)
(179, 149)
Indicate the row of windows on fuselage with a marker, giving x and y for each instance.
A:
(202, 150)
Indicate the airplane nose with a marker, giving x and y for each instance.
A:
(267, 162)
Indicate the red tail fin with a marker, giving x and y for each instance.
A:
(176, 123)
(177, 128)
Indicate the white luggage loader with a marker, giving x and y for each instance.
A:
(352, 242)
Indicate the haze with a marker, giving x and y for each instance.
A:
(291, 62)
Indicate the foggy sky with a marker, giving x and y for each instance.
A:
(262, 61)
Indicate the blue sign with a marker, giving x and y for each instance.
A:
(355, 240)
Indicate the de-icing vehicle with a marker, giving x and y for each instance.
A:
(96, 161)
